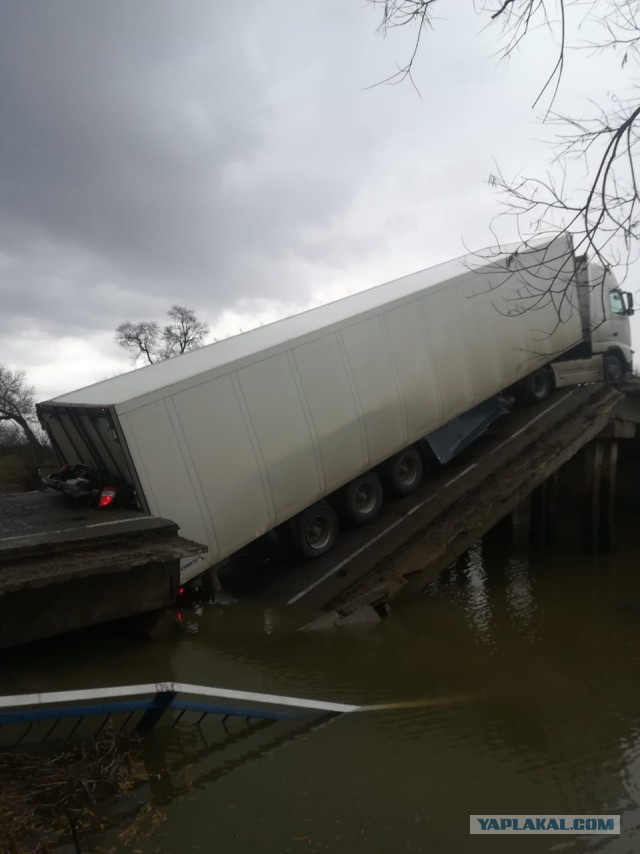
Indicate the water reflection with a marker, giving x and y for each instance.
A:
(478, 591)
(520, 599)
(531, 663)
(476, 594)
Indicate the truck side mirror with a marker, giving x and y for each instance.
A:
(629, 301)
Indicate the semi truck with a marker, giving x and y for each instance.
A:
(298, 425)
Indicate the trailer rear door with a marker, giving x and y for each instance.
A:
(90, 435)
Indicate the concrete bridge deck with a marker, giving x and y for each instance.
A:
(65, 568)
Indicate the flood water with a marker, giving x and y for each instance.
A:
(526, 669)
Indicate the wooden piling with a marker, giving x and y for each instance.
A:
(543, 514)
(607, 525)
(502, 533)
(598, 504)
(592, 458)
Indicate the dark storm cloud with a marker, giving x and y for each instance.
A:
(111, 141)
(144, 148)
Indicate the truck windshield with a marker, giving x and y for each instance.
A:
(617, 303)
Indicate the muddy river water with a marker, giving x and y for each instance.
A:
(526, 672)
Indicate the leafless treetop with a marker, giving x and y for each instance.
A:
(146, 339)
(600, 211)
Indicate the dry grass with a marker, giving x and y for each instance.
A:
(46, 801)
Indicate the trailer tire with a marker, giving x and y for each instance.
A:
(538, 385)
(315, 530)
(613, 368)
(361, 499)
(402, 473)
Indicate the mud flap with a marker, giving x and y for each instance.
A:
(448, 441)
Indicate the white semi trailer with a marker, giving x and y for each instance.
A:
(278, 427)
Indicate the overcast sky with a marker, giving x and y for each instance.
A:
(237, 159)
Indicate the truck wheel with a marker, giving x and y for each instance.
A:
(403, 472)
(613, 368)
(315, 530)
(538, 385)
(361, 500)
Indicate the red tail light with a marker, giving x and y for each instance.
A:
(106, 496)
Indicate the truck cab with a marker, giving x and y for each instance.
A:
(611, 308)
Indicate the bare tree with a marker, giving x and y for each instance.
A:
(602, 211)
(147, 340)
(17, 404)
(185, 332)
(140, 339)
(20, 460)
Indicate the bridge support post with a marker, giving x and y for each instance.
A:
(590, 533)
(503, 532)
(598, 505)
(607, 523)
(543, 514)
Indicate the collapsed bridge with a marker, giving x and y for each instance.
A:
(563, 450)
